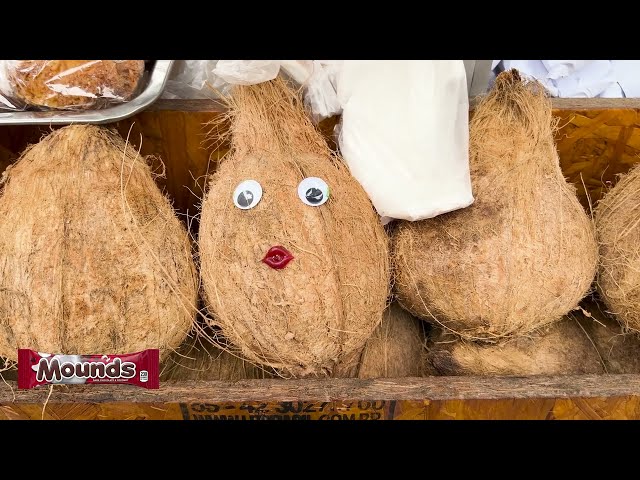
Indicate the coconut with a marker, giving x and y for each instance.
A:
(617, 224)
(561, 348)
(199, 359)
(524, 254)
(619, 350)
(395, 350)
(295, 283)
(92, 255)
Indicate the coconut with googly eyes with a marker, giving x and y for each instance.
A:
(294, 260)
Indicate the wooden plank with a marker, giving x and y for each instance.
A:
(432, 388)
(559, 397)
(206, 105)
(427, 388)
(595, 103)
(193, 105)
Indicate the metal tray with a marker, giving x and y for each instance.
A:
(155, 84)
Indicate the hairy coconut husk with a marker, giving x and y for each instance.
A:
(395, 350)
(619, 350)
(7, 157)
(324, 305)
(617, 224)
(561, 348)
(524, 254)
(92, 256)
(199, 359)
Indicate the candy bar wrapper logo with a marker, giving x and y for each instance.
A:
(71, 369)
(37, 368)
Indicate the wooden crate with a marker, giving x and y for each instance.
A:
(598, 139)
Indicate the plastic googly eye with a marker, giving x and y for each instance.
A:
(247, 194)
(313, 191)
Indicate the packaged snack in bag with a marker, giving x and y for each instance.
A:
(68, 84)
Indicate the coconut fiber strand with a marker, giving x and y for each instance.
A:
(327, 301)
(92, 256)
(524, 254)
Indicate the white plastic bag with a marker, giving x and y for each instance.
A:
(573, 78)
(563, 68)
(405, 134)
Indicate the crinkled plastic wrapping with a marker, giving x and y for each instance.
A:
(576, 78)
(199, 79)
(405, 134)
(321, 93)
(193, 79)
(68, 84)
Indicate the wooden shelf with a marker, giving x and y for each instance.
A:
(205, 105)
(559, 397)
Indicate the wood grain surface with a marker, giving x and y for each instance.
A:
(559, 397)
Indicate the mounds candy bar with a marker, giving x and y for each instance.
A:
(37, 368)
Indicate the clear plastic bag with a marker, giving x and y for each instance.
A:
(247, 72)
(68, 84)
(192, 79)
(321, 89)
(199, 79)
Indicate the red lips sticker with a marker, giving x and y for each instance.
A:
(277, 257)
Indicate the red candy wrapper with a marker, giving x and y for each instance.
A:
(140, 368)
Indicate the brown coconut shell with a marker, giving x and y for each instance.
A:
(561, 348)
(524, 254)
(619, 350)
(617, 224)
(200, 359)
(92, 256)
(330, 298)
(75, 84)
(395, 350)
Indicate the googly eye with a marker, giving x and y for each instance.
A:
(247, 194)
(313, 191)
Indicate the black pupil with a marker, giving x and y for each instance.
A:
(314, 195)
(245, 198)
